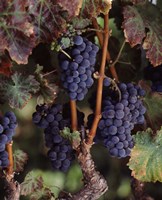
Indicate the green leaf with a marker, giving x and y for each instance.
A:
(146, 160)
(39, 69)
(73, 137)
(136, 20)
(31, 183)
(18, 91)
(53, 181)
(43, 194)
(65, 41)
(20, 159)
(66, 133)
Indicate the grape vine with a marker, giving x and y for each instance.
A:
(88, 76)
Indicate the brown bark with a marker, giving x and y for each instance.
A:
(138, 190)
(95, 184)
(12, 190)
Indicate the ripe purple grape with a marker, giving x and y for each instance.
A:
(53, 120)
(79, 68)
(119, 115)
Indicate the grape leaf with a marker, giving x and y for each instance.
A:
(31, 183)
(20, 159)
(72, 7)
(48, 90)
(146, 161)
(92, 8)
(153, 44)
(47, 19)
(136, 20)
(80, 23)
(73, 137)
(5, 65)
(42, 194)
(134, 29)
(16, 33)
(153, 101)
(18, 90)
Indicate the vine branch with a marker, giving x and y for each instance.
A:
(74, 120)
(101, 40)
(11, 162)
(97, 117)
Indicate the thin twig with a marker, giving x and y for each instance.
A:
(93, 29)
(48, 73)
(64, 52)
(119, 54)
(11, 162)
(108, 58)
(97, 117)
(74, 120)
(123, 62)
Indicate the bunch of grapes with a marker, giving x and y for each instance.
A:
(154, 74)
(8, 124)
(122, 109)
(50, 118)
(77, 71)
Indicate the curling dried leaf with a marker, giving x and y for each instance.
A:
(146, 160)
(134, 29)
(72, 7)
(18, 90)
(44, 193)
(92, 8)
(138, 19)
(31, 183)
(16, 33)
(153, 44)
(48, 89)
(20, 159)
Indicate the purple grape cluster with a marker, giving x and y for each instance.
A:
(154, 74)
(121, 111)
(76, 71)
(50, 118)
(8, 124)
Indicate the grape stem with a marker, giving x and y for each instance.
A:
(97, 117)
(96, 30)
(48, 73)
(64, 52)
(11, 162)
(108, 58)
(74, 120)
(119, 55)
